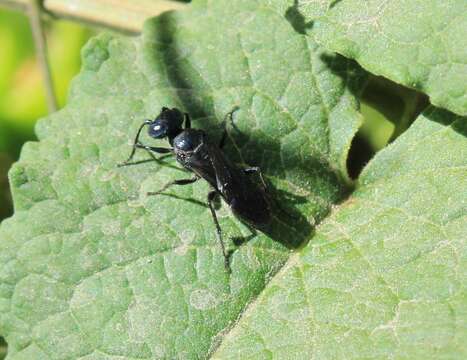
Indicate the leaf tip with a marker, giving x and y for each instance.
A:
(96, 52)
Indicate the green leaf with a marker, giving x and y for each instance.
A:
(91, 267)
(385, 275)
(418, 43)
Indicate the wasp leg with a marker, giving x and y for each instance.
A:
(149, 149)
(187, 121)
(256, 170)
(229, 116)
(159, 150)
(133, 150)
(159, 160)
(224, 136)
(174, 182)
(211, 197)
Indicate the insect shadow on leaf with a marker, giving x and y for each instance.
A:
(297, 19)
(334, 3)
(288, 225)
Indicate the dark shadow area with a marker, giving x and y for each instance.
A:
(239, 241)
(296, 19)
(353, 75)
(285, 207)
(284, 212)
(447, 118)
(360, 154)
(334, 3)
(3, 348)
(460, 127)
(398, 104)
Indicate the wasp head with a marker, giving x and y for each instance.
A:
(167, 124)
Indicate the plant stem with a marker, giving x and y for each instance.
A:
(34, 12)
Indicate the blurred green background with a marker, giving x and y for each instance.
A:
(22, 92)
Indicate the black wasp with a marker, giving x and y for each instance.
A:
(196, 153)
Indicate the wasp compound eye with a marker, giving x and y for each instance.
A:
(158, 129)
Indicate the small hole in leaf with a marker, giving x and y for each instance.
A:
(359, 154)
(3, 348)
(388, 110)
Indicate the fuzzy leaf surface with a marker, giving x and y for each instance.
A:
(93, 268)
(385, 274)
(418, 43)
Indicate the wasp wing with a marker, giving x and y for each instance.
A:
(229, 178)
(247, 200)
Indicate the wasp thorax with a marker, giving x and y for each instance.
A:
(188, 140)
